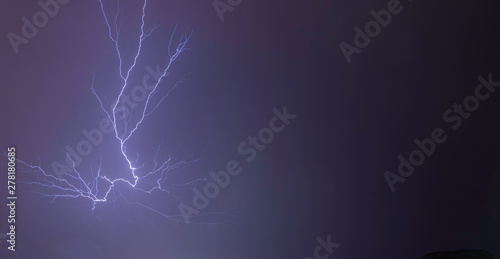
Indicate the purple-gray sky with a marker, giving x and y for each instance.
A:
(323, 175)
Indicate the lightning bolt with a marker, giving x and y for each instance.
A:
(95, 186)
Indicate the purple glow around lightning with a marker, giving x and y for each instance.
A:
(74, 185)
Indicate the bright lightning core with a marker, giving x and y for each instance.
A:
(95, 185)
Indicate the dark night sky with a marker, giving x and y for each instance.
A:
(322, 176)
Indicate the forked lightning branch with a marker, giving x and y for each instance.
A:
(94, 184)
